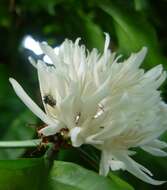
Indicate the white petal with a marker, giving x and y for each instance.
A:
(107, 42)
(104, 164)
(109, 132)
(158, 144)
(137, 58)
(29, 102)
(90, 140)
(44, 81)
(32, 61)
(76, 139)
(154, 73)
(161, 79)
(154, 151)
(136, 169)
(50, 130)
(49, 52)
(117, 165)
(140, 56)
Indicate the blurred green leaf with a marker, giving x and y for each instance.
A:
(133, 32)
(93, 35)
(4, 84)
(76, 177)
(38, 5)
(141, 4)
(10, 105)
(23, 174)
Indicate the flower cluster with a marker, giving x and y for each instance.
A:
(111, 105)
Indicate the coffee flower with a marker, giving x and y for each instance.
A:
(112, 105)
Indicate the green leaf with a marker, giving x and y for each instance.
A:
(133, 32)
(19, 130)
(121, 184)
(38, 5)
(70, 176)
(93, 34)
(141, 5)
(23, 174)
(61, 186)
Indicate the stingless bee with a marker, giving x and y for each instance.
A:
(48, 99)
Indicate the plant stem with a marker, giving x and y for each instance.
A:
(20, 144)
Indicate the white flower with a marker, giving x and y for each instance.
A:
(109, 104)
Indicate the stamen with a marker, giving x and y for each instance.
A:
(77, 118)
(99, 111)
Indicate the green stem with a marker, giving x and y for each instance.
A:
(50, 155)
(20, 144)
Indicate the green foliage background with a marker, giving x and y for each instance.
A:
(131, 24)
